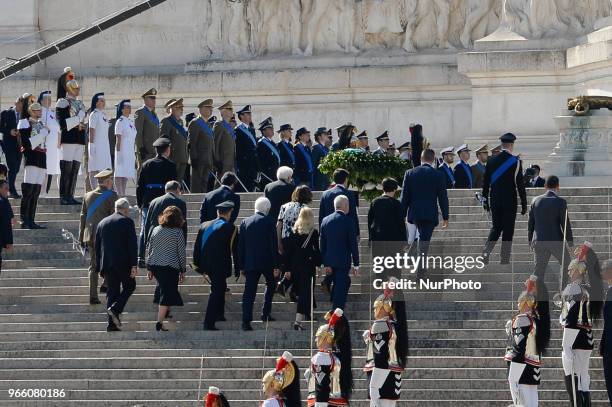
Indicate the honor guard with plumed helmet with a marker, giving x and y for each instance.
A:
(215, 398)
(528, 336)
(147, 127)
(281, 385)
(387, 349)
(70, 113)
(330, 379)
(581, 306)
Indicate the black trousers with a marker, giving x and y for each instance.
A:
(543, 251)
(216, 300)
(0, 260)
(607, 366)
(13, 162)
(120, 288)
(503, 217)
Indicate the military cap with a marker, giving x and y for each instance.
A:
(339, 129)
(363, 135)
(246, 109)
(206, 103)
(496, 149)
(302, 130)
(483, 149)
(463, 147)
(104, 174)
(323, 130)
(176, 103)
(405, 146)
(169, 102)
(536, 167)
(265, 124)
(384, 136)
(161, 142)
(150, 93)
(507, 138)
(227, 105)
(284, 127)
(447, 150)
(225, 205)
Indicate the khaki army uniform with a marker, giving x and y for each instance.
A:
(225, 149)
(201, 153)
(147, 131)
(178, 152)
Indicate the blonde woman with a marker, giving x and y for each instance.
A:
(302, 256)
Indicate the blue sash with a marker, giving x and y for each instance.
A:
(307, 156)
(204, 126)
(449, 173)
(151, 116)
(322, 148)
(503, 168)
(216, 225)
(271, 147)
(177, 126)
(229, 129)
(289, 151)
(153, 186)
(468, 171)
(92, 209)
(247, 131)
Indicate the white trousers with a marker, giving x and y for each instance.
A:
(575, 361)
(524, 395)
(34, 175)
(72, 152)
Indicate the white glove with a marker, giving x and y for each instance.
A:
(366, 336)
(92, 149)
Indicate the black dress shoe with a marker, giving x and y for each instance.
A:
(160, 327)
(25, 224)
(103, 289)
(65, 201)
(73, 201)
(34, 225)
(210, 328)
(114, 316)
(112, 328)
(221, 319)
(94, 301)
(268, 318)
(246, 326)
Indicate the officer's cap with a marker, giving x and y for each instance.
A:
(150, 93)
(384, 136)
(104, 174)
(225, 205)
(363, 135)
(507, 138)
(284, 127)
(463, 147)
(161, 142)
(227, 105)
(265, 124)
(405, 146)
(246, 109)
(447, 150)
(206, 103)
(483, 149)
(302, 130)
(176, 103)
(323, 130)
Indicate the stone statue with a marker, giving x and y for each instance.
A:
(582, 105)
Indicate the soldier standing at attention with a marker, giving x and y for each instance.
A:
(303, 173)
(445, 167)
(147, 127)
(319, 151)
(268, 156)
(502, 179)
(151, 183)
(463, 172)
(97, 205)
(383, 144)
(201, 147)
(172, 129)
(246, 149)
(478, 168)
(225, 141)
(285, 149)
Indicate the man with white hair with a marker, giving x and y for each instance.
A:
(117, 260)
(257, 256)
(279, 192)
(338, 247)
(159, 204)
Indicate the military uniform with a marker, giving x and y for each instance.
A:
(172, 129)
(201, 152)
(383, 137)
(225, 144)
(268, 156)
(446, 169)
(319, 152)
(304, 167)
(97, 205)
(147, 130)
(463, 172)
(478, 168)
(502, 179)
(246, 152)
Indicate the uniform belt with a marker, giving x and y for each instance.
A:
(151, 186)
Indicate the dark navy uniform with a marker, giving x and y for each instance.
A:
(246, 156)
(320, 180)
(463, 176)
(269, 160)
(152, 179)
(287, 156)
(213, 250)
(502, 179)
(449, 177)
(304, 168)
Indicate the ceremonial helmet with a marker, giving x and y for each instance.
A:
(282, 375)
(215, 398)
(385, 300)
(528, 297)
(578, 265)
(326, 332)
(63, 82)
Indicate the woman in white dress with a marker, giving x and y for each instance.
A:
(125, 160)
(53, 141)
(98, 148)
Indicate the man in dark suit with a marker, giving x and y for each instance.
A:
(423, 191)
(6, 220)
(11, 144)
(279, 192)
(386, 219)
(208, 210)
(502, 179)
(338, 247)
(246, 149)
(548, 225)
(257, 256)
(117, 260)
(268, 157)
(326, 206)
(462, 171)
(214, 248)
(605, 345)
(159, 204)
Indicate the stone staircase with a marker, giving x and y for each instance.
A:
(50, 338)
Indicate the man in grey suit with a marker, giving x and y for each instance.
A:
(548, 224)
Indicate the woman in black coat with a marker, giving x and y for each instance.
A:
(302, 257)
